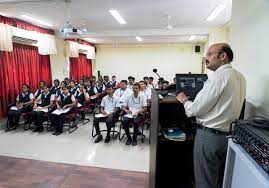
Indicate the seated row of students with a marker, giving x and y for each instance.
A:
(132, 103)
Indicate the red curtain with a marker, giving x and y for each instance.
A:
(23, 65)
(24, 25)
(80, 67)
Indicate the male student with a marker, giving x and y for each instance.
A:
(66, 81)
(122, 93)
(64, 102)
(131, 81)
(114, 82)
(134, 107)
(23, 104)
(145, 90)
(41, 106)
(107, 114)
(40, 89)
(106, 81)
(82, 96)
(72, 87)
(151, 84)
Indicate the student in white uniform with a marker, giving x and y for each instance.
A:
(134, 107)
(151, 84)
(131, 81)
(114, 82)
(122, 93)
(144, 90)
(107, 114)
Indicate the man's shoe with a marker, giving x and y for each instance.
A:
(134, 143)
(107, 139)
(58, 133)
(55, 132)
(129, 141)
(98, 139)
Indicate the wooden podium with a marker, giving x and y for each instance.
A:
(171, 162)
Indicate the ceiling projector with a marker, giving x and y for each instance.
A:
(71, 31)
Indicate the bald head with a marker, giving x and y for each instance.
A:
(218, 54)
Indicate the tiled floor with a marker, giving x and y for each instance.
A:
(23, 173)
(76, 148)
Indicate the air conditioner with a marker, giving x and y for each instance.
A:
(22, 40)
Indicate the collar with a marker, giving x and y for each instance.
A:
(221, 68)
(66, 95)
(24, 94)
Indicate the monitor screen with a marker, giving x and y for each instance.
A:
(190, 84)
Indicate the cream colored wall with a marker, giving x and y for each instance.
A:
(59, 63)
(249, 40)
(138, 60)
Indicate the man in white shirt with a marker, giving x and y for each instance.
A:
(145, 90)
(134, 107)
(122, 93)
(215, 107)
(131, 81)
(107, 114)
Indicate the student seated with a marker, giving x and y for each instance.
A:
(114, 82)
(145, 90)
(64, 103)
(151, 84)
(165, 84)
(106, 81)
(56, 88)
(72, 87)
(134, 107)
(41, 106)
(122, 93)
(82, 96)
(40, 89)
(131, 81)
(66, 81)
(23, 104)
(99, 88)
(107, 114)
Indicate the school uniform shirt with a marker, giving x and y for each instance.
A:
(109, 103)
(130, 86)
(24, 97)
(150, 86)
(221, 99)
(98, 89)
(45, 98)
(136, 103)
(73, 90)
(114, 83)
(38, 92)
(91, 91)
(65, 99)
(55, 90)
(122, 95)
(147, 93)
(106, 83)
(81, 97)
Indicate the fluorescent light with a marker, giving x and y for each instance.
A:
(192, 37)
(215, 13)
(90, 39)
(36, 20)
(117, 16)
(139, 39)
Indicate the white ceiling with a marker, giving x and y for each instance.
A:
(145, 18)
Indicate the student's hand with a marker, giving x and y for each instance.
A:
(104, 113)
(181, 96)
(135, 114)
(64, 107)
(58, 107)
(129, 112)
(35, 106)
(84, 90)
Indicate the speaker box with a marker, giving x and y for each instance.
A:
(197, 49)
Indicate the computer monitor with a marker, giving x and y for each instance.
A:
(190, 84)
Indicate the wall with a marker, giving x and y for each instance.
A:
(249, 40)
(59, 63)
(138, 60)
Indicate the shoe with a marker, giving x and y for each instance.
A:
(134, 143)
(58, 133)
(55, 132)
(129, 141)
(36, 130)
(40, 130)
(107, 139)
(98, 139)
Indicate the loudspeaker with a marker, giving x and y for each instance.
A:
(197, 49)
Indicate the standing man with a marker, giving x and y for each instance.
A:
(215, 107)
